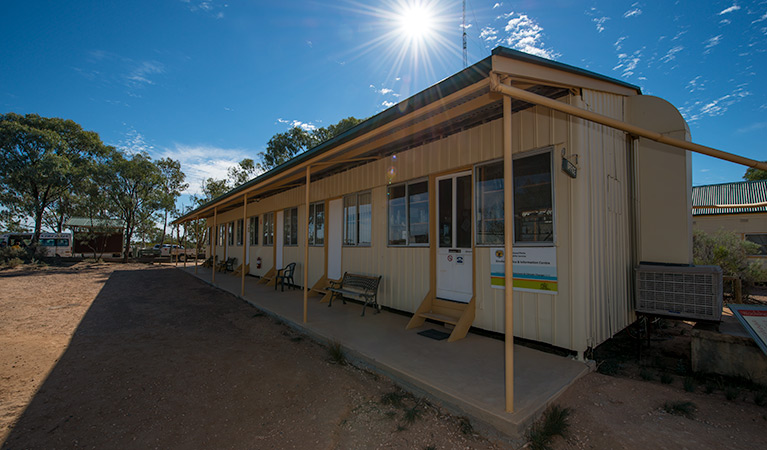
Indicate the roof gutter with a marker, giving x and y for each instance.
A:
(521, 94)
(740, 205)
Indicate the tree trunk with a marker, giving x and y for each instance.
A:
(164, 226)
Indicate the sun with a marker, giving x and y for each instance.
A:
(416, 20)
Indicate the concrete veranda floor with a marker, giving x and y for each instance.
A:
(466, 376)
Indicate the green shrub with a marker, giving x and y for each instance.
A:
(336, 354)
(690, 384)
(728, 251)
(647, 374)
(760, 397)
(686, 409)
(666, 378)
(555, 422)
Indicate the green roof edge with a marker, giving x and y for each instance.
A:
(445, 87)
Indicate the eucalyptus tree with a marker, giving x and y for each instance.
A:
(42, 160)
(133, 185)
(172, 186)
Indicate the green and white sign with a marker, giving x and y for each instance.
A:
(535, 269)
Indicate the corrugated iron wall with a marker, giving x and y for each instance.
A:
(555, 319)
(610, 263)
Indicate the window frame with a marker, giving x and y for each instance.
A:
(267, 228)
(253, 230)
(230, 234)
(239, 232)
(358, 221)
(290, 227)
(314, 224)
(553, 242)
(763, 247)
(407, 205)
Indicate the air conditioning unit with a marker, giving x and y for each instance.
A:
(693, 293)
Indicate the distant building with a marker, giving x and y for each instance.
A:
(100, 236)
(749, 222)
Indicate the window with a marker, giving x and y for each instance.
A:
(409, 213)
(290, 227)
(533, 201)
(230, 233)
(761, 241)
(268, 229)
(317, 224)
(62, 242)
(221, 235)
(253, 230)
(357, 219)
(533, 212)
(239, 232)
(489, 189)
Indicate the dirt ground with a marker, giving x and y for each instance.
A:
(137, 356)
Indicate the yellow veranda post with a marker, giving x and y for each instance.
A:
(508, 252)
(244, 243)
(306, 243)
(214, 235)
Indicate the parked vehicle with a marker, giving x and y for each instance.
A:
(54, 244)
(177, 251)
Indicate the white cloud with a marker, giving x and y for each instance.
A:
(696, 84)
(497, 5)
(679, 35)
(212, 7)
(671, 54)
(753, 127)
(761, 19)
(140, 74)
(633, 12)
(628, 63)
(600, 23)
(712, 42)
(619, 43)
(725, 22)
(200, 162)
(713, 108)
(387, 104)
(133, 142)
(308, 126)
(384, 91)
(526, 34)
(732, 8)
(489, 34)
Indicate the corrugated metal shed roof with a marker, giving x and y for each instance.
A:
(729, 194)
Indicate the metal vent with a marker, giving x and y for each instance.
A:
(684, 292)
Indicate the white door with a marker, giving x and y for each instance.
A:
(454, 220)
(278, 238)
(335, 237)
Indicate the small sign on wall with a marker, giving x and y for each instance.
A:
(535, 269)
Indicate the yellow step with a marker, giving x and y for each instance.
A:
(439, 317)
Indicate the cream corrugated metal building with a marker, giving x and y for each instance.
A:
(414, 194)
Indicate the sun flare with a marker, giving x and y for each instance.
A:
(416, 21)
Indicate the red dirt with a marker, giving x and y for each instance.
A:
(112, 355)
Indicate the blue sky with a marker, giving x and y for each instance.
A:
(209, 82)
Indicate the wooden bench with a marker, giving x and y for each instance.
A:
(363, 287)
(227, 265)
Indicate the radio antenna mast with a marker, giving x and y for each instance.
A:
(463, 28)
